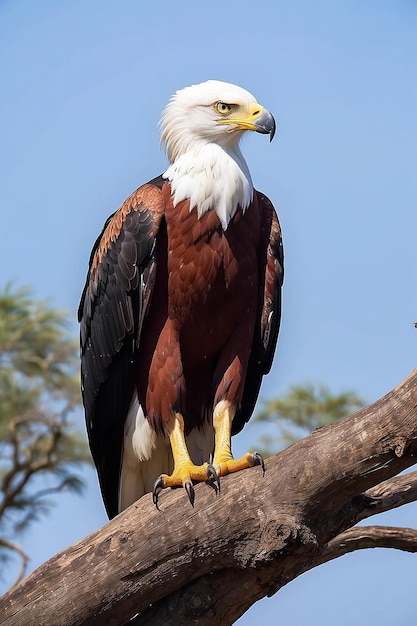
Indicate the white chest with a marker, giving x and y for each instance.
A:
(212, 178)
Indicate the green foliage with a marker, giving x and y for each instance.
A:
(301, 410)
(39, 448)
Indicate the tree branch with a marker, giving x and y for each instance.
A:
(385, 496)
(217, 559)
(392, 493)
(363, 537)
(14, 547)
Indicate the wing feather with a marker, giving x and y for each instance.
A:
(271, 264)
(114, 301)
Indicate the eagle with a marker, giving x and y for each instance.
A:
(180, 312)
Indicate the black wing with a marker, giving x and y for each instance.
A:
(271, 265)
(114, 301)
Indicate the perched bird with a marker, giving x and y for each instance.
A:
(180, 312)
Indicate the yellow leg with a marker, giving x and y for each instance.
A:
(223, 460)
(185, 472)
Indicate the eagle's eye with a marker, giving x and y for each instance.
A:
(223, 108)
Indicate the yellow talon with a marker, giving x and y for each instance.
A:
(230, 465)
(184, 474)
(223, 460)
(185, 471)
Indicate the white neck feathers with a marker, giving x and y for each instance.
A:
(212, 177)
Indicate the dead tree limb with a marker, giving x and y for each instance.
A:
(188, 566)
(363, 537)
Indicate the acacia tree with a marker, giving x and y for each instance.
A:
(206, 565)
(301, 410)
(39, 387)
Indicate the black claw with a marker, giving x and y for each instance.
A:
(213, 479)
(190, 492)
(159, 483)
(259, 461)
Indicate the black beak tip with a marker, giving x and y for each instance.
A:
(272, 131)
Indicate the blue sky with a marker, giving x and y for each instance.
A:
(83, 85)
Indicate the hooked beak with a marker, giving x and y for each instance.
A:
(265, 124)
(256, 118)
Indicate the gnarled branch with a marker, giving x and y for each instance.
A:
(363, 537)
(181, 564)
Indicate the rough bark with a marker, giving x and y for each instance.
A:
(190, 566)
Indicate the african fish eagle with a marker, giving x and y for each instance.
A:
(180, 312)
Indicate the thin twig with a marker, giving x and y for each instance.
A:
(10, 545)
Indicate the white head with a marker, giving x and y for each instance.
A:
(201, 127)
(213, 111)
